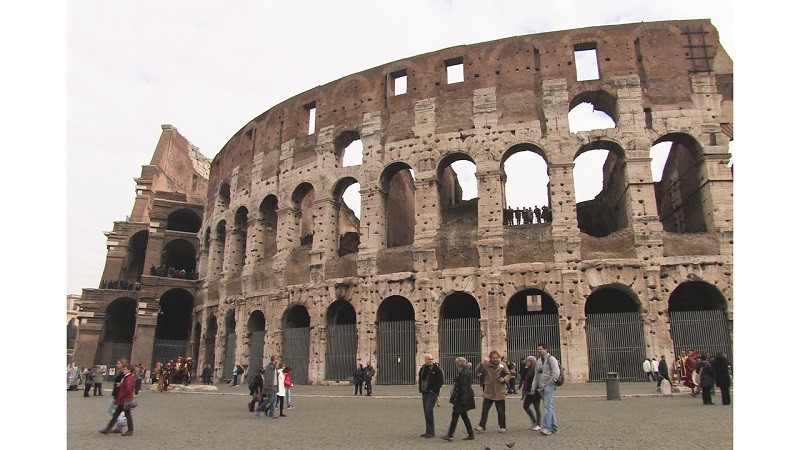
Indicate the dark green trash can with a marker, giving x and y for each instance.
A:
(612, 386)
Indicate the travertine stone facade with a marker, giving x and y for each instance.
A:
(274, 183)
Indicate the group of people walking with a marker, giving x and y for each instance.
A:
(703, 371)
(540, 377)
(526, 216)
(269, 388)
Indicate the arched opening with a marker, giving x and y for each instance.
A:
(532, 320)
(296, 341)
(458, 188)
(269, 215)
(594, 110)
(173, 326)
(397, 182)
(459, 332)
(137, 247)
(397, 341)
(184, 220)
(239, 240)
(224, 195)
(303, 202)
(230, 344)
(257, 330)
(218, 252)
(211, 340)
(347, 205)
(525, 180)
(698, 319)
(349, 149)
(614, 334)
(682, 196)
(118, 330)
(342, 341)
(601, 188)
(179, 258)
(72, 333)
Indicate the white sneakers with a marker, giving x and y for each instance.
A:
(545, 431)
(536, 428)
(502, 430)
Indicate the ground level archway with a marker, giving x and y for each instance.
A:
(459, 332)
(296, 341)
(173, 326)
(397, 341)
(118, 330)
(614, 335)
(698, 319)
(532, 320)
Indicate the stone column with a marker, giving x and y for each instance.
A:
(642, 209)
(574, 352)
(87, 342)
(566, 234)
(428, 213)
(490, 218)
(256, 231)
(372, 228)
(326, 239)
(216, 258)
(144, 339)
(316, 351)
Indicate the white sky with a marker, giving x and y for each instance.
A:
(209, 67)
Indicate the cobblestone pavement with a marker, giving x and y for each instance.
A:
(331, 417)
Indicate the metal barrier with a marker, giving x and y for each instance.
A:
(706, 331)
(524, 334)
(616, 344)
(397, 349)
(111, 352)
(459, 337)
(230, 356)
(295, 352)
(165, 350)
(256, 359)
(340, 351)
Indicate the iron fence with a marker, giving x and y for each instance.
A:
(459, 337)
(616, 344)
(340, 352)
(397, 349)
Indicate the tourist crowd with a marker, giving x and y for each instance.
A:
(527, 216)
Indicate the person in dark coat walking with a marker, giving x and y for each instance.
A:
(723, 375)
(256, 388)
(123, 400)
(463, 400)
(706, 378)
(430, 382)
(358, 380)
(530, 395)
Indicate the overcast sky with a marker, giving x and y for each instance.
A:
(210, 67)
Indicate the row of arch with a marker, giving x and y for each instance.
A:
(179, 252)
(532, 318)
(678, 198)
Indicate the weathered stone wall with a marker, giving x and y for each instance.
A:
(516, 92)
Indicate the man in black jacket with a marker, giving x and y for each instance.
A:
(430, 382)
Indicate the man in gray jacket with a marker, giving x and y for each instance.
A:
(547, 372)
(271, 385)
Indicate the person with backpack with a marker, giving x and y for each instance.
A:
(548, 375)
(256, 390)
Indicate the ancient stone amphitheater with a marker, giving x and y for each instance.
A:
(285, 266)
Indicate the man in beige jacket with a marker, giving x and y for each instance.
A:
(495, 376)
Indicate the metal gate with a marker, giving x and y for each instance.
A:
(230, 356)
(295, 353)
(397, 350)
(524, 334)
(256, 360)
(706, 331)
(459, 337)
(111, 352)
(165, 350)
(210, 351)
(616, 344)
(340, 352)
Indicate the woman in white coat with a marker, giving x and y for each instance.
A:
(281, 389)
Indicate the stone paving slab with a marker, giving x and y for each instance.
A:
(331, 417)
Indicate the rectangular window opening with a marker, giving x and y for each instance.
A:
(312, 117)
(455, 70)
(399, 82)
(586, 65)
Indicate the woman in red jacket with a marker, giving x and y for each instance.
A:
(124, 401)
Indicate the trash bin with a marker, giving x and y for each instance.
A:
(612, 386)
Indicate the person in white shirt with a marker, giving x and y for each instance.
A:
(648, 371)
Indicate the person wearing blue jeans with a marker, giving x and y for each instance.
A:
(271, 385)
(547, 372)
(430, 382)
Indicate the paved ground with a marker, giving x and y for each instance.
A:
(331, 417)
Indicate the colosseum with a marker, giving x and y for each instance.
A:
(257, 253)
